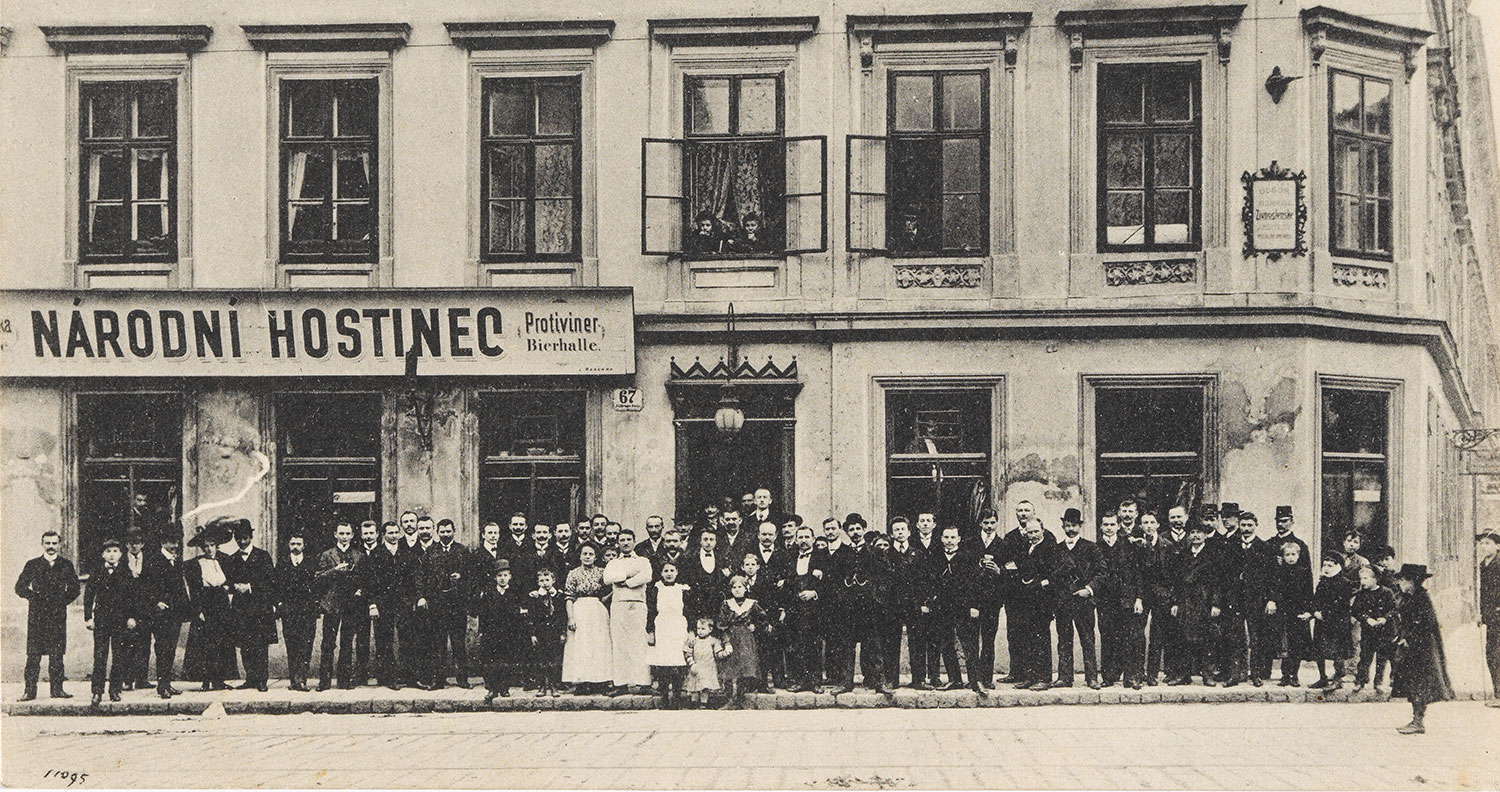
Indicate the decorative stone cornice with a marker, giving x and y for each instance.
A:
(924, 276)
(720, 372)
(988, 26)
(126, 39)
(733, 30)
(1323, 23)
(1146, 273)
(1360, 275)
(341, 37)
(531, 34)
(1216, 20)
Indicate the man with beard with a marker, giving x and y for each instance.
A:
(252, 604)
(1078, 579)
(297, 605)
(49, 584)
(1196, 596)
(804, 579)
(651, 545)
(444, 591)
(954, 609)
(733, 542)
(864, 585)
(1034, 602)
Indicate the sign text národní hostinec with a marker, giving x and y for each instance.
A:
(359, 333)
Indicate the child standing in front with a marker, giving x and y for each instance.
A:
(702, 650)
(1331, 627)
(503, 632)
(666, 631)
(1290, 609)
(549, 622)
(1374, 608)
(741, 617)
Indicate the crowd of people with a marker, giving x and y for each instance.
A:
(744, 598)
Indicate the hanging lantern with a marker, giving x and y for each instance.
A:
(729, 417)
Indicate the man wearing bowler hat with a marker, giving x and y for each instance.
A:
(251, 576)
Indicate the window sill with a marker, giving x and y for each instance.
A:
(721, 259)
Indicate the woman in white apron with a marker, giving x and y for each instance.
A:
(586, 655)
(666, 631)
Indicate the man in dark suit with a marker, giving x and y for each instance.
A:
(1079, 580)
(48, 583)
(864, 594)
(250, 574)
(517, 543)
(112, 610)
(537, 557)
(954, 608)
(1120, 603)
(483, 557)
(651, 545)
(388, 580)
(1487, 543)
(166, 596)
(989, 552)
(368, 537)
(909, 588)
(706, 571)
(734, 540)
(565, 548)
(764, 510)
(1013, 543)
(803, 581)
(1248, 565)
(1196, 598)
(444, 591)
(338, 573)
(1034, 601)
(138, 665)
(297, 605)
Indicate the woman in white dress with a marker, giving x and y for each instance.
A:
(586, 655)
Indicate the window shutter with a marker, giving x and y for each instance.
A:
(865, 193)
(806, 194)
(661, 196)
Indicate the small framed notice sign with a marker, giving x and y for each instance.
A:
(1275, 212)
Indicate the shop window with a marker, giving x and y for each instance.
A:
(1150, 124)
(328, 170)
(735, 185)
(938, 454)
(531, 446)
(530, 186)
(127, 141)
(130, 467)
(933, 171)
(328, 462)
(1356, 431)
(1359, 145)
(1149, 445)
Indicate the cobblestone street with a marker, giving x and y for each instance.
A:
(1198, 746)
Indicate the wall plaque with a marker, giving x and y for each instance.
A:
(1275, 212)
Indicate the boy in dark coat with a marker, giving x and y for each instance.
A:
(549, 621)
(504, 633)
(47, 583)
(1288, 611)
(112, 609)
(1374, 610)
(1421, 669)
(1332, 636)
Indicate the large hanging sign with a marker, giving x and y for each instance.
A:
(482, 332)
(1275, 213)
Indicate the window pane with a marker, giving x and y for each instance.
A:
(1346, 102)
(730, 180)
(963, 222)
(913, 103)
(150, 173)
(352, 222)
(1136, 420)
(329, 425)
(1346, 156)
(757, 105)
(554, 171)
(508, 226)
(1377, 169)
(307, 175)
(106, 223)
(507, 171)
(309, 113)
(554, 226)
(106, 108)
(510, 107)
(1124, 160)
(557, 108)
(1173, 220)
(1120, 94)
(1375, 226)
(1345, 228)
(1173, 161)
(1354, 421)
(150, 221)
(963, 102)
(708, 106)
(938, 422)
(108, 177)
(1173, 94)
(1378, 107)
(1125, 218)
(963, 168)
(354, 174)
(307, 222)
(1383, 225)
(155, 110)
(357, 109)
(914, 170)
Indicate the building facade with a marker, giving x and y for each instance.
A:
(308, 264)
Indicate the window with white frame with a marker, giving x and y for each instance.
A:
(1149, 128)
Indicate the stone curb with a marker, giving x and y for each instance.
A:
(472, 701)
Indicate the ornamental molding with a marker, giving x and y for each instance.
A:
(1323, 23)
(126, 39)
(1146, 273)
(721, 371)
(530, 34)
(937, 277)
(1359, 275)
(702, 31)
(340, 37)
(1114, 23)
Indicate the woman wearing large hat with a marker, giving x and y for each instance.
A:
(210, 649)
(1421, 671)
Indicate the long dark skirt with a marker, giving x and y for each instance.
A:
(210, 647)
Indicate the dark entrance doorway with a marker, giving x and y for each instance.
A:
(328, 463)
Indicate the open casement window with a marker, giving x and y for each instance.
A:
(689, 188)
(531, 169)
(128, 150)
(328, 170)
(1150, 118)
(1359, 130)
(865, 194)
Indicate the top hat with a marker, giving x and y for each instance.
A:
(1283, 511)
(1417, 572)
(1072, 517)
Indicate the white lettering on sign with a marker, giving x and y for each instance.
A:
(363, 333)
(626, 399)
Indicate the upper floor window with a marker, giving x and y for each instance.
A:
(128, 150)
(1359, 145)
(938, 162)
(1149, 169)
(328, 167)
(530, 159)
(734, 185)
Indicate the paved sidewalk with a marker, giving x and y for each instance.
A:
(379, 700)
(1186, 746)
